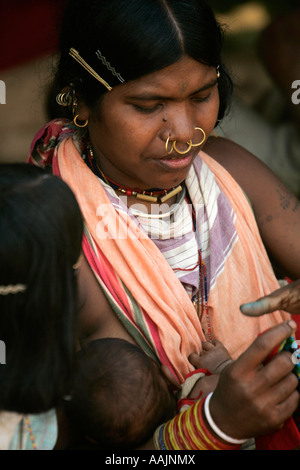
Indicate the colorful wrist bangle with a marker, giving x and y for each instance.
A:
(158, 438)
(210, 437)
(215, 428)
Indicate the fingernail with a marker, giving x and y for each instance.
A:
(245, 308)
(292, 324)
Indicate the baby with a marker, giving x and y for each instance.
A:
(121, 395)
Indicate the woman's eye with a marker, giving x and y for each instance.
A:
(202, 99)
(146, 109)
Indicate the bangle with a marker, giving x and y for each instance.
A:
(158, 438)
(215, 428)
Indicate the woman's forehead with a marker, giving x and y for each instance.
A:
(184, 76)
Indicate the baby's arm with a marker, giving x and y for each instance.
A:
(214, 357)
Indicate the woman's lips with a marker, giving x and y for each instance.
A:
(176, 163)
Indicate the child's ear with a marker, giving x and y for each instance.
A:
(170, 379)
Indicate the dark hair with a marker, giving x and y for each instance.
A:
(137, 37)
(40, 240)
(119, 398)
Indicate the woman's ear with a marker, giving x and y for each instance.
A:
(82, 110)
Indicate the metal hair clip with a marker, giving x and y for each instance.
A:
(75, 54)
(109, 67)
(12, 289)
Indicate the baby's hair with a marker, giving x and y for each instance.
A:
(118, 398)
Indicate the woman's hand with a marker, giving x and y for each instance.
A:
(251, 398)
(286, 298)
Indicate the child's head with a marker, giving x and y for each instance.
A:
(119, 396)
(40, 240)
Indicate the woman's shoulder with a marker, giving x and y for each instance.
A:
(234, 158)
(253, 175)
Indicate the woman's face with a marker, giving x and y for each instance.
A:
(129, 129)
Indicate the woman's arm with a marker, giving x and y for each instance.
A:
(276, 209)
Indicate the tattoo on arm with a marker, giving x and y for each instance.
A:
(287, 199)
(296, 206)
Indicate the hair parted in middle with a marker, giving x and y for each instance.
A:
(135, 38)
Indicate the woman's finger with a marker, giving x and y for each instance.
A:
(264, 344)
(286, 298)
(277, 369)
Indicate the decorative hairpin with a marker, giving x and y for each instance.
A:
(109, 67)
(12, 289)
(75, 54)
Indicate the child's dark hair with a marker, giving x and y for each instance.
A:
(136, 37)
(119, 396)
(40, 239)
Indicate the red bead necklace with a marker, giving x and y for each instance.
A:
(149, 195)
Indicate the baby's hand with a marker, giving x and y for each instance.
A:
(213, 357)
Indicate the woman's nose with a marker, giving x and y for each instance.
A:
(181, 124)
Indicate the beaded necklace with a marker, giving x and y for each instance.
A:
(31, 435)
(149, 195)
(200, 300)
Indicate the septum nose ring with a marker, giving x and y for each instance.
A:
(189, 143)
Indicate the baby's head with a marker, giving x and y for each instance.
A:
(119, 396)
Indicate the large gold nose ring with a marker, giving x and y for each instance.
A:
(167, 144)
(204, 137)
(189, 144)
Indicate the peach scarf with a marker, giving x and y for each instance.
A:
(166, 314)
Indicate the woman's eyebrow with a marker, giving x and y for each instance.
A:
(144, 96)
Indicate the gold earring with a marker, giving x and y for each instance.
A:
(64, 99)
(75, 116)
(80, 125)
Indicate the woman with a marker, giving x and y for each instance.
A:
(171, 244)
(40, 243)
